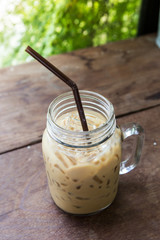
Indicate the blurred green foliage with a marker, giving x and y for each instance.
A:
(58, 26)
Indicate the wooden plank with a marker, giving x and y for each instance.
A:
(126, 72)
(27, 211)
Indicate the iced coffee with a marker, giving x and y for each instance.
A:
(82, 180)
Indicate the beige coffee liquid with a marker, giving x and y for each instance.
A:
(82, 181)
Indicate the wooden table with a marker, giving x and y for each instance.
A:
(127, 73)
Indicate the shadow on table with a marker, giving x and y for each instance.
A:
(127, 212)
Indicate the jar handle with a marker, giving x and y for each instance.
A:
(132, 129)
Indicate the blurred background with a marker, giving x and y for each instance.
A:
(59, 26)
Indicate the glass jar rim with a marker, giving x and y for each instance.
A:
(69, 95)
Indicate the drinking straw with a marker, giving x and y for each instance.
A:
(65, 79)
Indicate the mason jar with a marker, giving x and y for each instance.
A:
(83, 167)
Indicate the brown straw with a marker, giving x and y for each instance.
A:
(65, 79)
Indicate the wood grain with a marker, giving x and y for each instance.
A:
(27, 211)
(126, 72)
